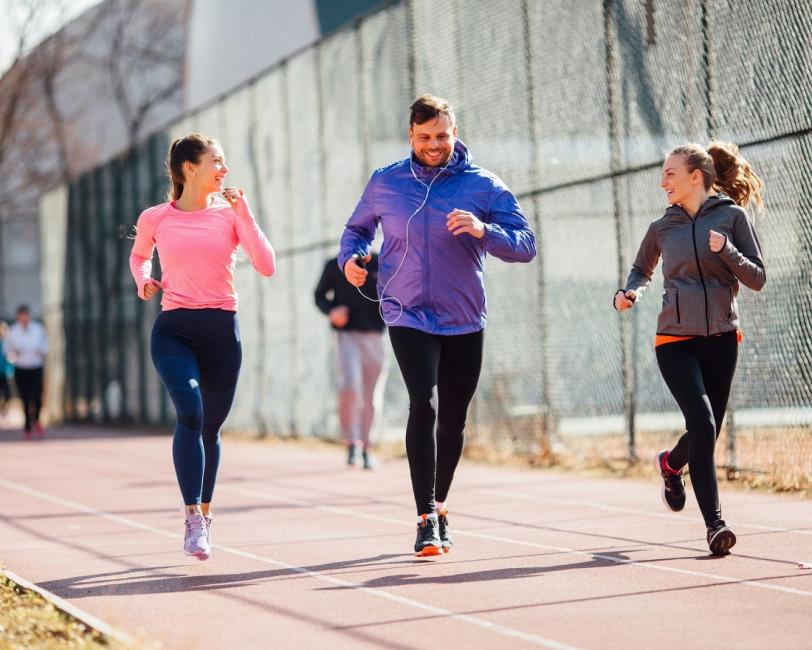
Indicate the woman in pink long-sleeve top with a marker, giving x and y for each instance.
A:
(196, 337)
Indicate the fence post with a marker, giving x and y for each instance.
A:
(257, 168)
(119, 285)
(141, 346)
(412, 49)
(625, 325)
(70, 304)
(547, 421)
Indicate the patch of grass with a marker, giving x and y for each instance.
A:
(29, 622)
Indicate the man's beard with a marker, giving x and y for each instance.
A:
(441, 163)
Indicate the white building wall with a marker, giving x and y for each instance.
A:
(230, 42)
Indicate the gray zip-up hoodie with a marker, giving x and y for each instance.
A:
(700, 286)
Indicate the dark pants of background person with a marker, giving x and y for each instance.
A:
(29, 385)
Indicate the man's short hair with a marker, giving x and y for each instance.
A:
(428, 107)
(23, 309)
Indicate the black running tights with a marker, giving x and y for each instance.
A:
(699, 373)
(441, 375)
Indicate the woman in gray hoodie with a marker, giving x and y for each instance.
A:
(708, 247)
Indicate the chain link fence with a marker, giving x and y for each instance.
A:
(574, 105)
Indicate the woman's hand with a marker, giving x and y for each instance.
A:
(151, 287)
(236, 198)
(461, 221)
(625, 300)
(356, 275)
(717, 241)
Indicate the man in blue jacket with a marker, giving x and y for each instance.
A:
(440, 215)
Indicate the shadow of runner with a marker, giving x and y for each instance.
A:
(402, 580)
(152, 580)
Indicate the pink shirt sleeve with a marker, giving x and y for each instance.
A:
(141, 255)
(255, 244)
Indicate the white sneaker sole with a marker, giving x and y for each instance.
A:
(722, 541)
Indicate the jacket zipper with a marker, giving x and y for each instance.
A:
(427, 265)
(701, 277)
(679, 320)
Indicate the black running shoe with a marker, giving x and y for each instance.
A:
(720, 538)
(673, 493)
(352, 454)
(445, 533)
(428, 536)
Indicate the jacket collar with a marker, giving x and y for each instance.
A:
(712, 203)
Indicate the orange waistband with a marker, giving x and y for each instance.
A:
(663, 339)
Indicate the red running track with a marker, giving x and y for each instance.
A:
(308, 553)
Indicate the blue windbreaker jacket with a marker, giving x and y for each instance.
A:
(441, 281)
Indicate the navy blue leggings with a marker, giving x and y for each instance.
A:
(197, 353)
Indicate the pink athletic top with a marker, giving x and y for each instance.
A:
(197, 251)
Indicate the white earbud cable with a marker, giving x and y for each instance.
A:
(384, 297)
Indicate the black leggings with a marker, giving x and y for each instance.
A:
(197, 353)
(5, 389)
(699, 373)
(29, 384)
(441, 375)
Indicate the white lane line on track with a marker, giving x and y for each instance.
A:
(506, 540)
(632, 511)
(464, 618)
(364, 515)
(593, 504)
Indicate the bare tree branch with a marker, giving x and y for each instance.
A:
(142, 46)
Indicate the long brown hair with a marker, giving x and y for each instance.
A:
(724, 169)
(186, 149)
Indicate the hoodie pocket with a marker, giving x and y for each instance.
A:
(721, 309)
(669, 319)
(676, 299)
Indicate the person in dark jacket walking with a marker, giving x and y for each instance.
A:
(354, 315)
(441, 215)
(708, 246)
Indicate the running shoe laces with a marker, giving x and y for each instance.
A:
(196, 539)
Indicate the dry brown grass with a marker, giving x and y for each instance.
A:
(776, 460)
(29, 622)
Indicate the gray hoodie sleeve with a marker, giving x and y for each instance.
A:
(648, 255)
(743, 254)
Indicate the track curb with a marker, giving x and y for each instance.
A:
(71, 610)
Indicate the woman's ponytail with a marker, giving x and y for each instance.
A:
(186, 149)
(724, 170)
(734, 176)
